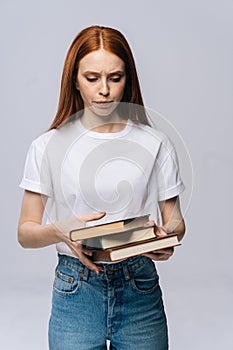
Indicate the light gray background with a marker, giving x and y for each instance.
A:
(184, 56)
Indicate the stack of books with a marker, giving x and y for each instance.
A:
(122, 239)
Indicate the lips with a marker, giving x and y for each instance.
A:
(103, 104)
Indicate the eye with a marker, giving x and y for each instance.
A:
(116, 79)
(91, 79)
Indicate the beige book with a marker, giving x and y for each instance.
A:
(131, 224)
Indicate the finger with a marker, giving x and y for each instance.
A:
(82, 249)
(91, 217)
(157, 257)
(86, 261)
(87, 251)
(152, 256)
(160, 232)
(160, 255)
(166, 251)
(149, 223)
(76, 249)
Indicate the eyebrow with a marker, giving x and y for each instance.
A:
(120, 72)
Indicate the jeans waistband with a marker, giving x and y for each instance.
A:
(126, 266)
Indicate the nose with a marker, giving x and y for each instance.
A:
(104, 88)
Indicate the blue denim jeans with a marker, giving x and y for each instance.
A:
(122, 304)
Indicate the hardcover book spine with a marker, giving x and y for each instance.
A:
(101, 255)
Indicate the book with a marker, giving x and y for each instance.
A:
(110, 228)
(135, 248)
(120, 238)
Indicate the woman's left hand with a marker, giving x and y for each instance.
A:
(161, 254)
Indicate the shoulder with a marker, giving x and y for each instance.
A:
(152, 136)
(42, 141)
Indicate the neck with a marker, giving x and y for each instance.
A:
(106, 124)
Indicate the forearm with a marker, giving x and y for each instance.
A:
(172, 218)
(34, 235)
(175, 226)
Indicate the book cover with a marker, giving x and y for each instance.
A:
(118, 239)
(136, 248)
(136, 223)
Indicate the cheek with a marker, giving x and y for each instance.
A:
(85, 91)
(120, 90)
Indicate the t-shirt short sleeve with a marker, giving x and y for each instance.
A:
(170, 183)
(36, 176)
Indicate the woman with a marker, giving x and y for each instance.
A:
(100, 160)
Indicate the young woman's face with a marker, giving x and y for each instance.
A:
(101, 81)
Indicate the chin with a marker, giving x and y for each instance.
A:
(104, 112)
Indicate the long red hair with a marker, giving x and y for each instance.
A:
(88, 40)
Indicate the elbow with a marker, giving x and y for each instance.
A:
(21, 238)
(181, 230)
(23, 244)
(21, 241)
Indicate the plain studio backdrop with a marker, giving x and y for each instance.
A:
(184, 54)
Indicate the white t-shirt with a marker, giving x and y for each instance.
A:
(125, 173)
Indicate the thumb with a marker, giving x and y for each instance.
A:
(91, 217)
(160, 231)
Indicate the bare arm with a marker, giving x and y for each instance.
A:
(33, 234)
(173, 222)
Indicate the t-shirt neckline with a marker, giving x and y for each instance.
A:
(105, 135)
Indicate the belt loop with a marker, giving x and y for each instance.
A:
(84, 274)
(127, 273)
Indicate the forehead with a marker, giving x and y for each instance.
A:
(101, 60)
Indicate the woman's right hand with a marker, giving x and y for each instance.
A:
(82, 253)
(33, 234)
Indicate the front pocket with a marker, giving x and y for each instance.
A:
(66, 282)
(145, 279)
